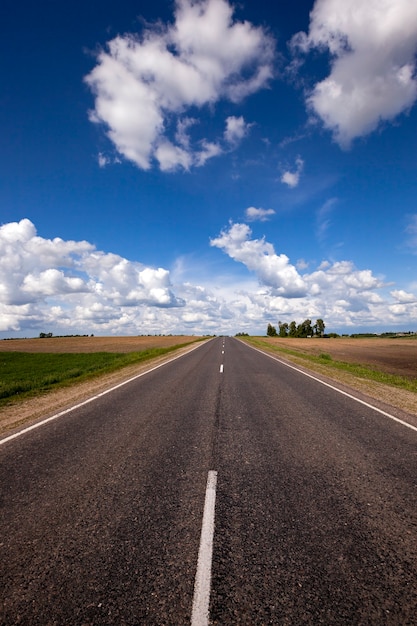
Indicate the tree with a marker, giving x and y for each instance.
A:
(271, 331)
(283, 329)
(319, 327)
(305, 329)
(292, 332)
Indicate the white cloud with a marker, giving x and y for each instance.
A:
(38, 274)
(208, 150)
(64, 287)
(262, 215)
(236, 130)
(182, 135)
(259, 256)
(51, 282)
(373, 71)
(344, 280)
(142, 83)
(301, 264)
(404, 297)
(343, 295)
(277, 273)
(170, 157)
(292, 178)
(103, 160)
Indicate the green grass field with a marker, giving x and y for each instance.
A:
(24, 374)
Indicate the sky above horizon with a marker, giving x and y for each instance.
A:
(207, 167)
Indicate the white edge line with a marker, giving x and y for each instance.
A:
(201, 599)
(93, 398)
(344, 393)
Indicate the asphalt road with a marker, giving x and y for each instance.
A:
(315, 503)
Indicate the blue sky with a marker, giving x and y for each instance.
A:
(207, 167)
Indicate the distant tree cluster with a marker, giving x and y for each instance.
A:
(242, 335)
(386, 335)
(49, 335)
(305, 329)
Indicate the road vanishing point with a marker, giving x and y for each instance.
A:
(224, 487)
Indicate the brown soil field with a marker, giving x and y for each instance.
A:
(93, 344)
(394, 356)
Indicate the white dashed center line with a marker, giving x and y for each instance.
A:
(201, 600)
(221, 368)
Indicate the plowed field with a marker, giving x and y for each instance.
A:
(93, 344)
(394, 356)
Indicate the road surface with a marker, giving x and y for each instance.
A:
(222, 488)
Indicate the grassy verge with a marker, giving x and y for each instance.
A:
(25, 374)
(326, 362)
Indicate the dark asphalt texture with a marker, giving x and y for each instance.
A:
(316, 516)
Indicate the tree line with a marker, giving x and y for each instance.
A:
(305, 329)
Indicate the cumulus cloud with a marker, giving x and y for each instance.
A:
(276, 272)
(143, 83)
(38, 276)
(262, 215)
(236, 130)
(373, 66)
(71, 287)
(292, 177)
(404, 306)
(170, 156)
(345, 281)
(208, 150)
(338, 292)
(403, 297)
(259, 256)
